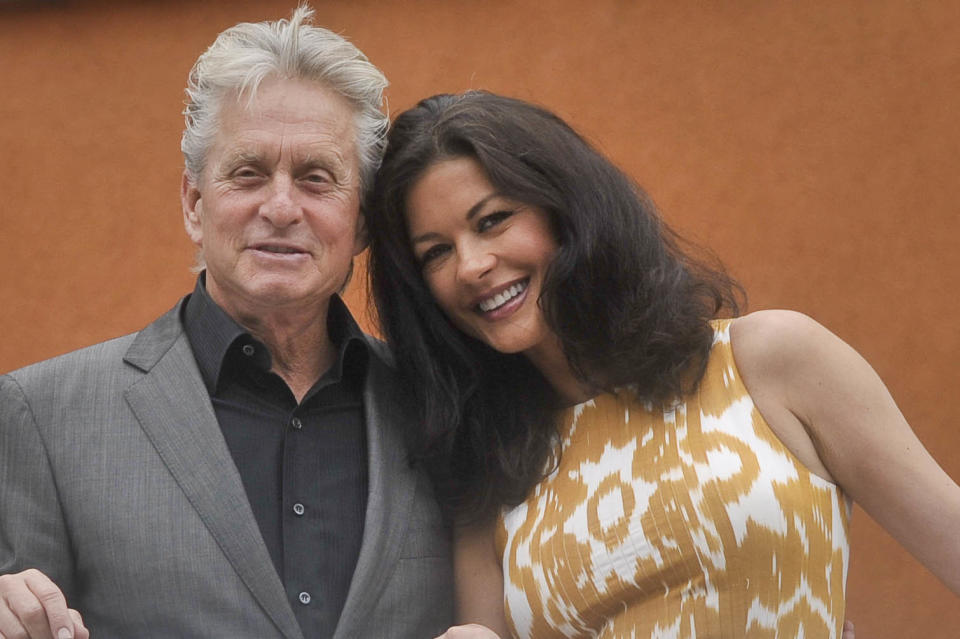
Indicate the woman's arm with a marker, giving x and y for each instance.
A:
(831, 409)
(479, 582)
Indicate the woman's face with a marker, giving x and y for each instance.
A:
(483, 255)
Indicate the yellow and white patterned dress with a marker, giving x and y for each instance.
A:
(691, 522)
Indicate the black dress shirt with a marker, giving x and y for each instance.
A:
(304, 466)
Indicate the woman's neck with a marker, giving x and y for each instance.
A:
(552, 363)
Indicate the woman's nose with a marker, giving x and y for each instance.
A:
(474, 263)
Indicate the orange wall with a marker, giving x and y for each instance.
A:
(813, 146)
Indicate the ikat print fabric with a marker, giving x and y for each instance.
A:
(689, 521)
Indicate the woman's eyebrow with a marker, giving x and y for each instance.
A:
(472, 213)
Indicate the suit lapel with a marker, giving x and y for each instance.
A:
(392, 487)
(174, 409)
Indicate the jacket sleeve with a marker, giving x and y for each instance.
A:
(33, 533)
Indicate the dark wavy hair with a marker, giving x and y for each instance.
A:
(629, 305)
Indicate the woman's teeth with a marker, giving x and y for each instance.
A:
(502, 298)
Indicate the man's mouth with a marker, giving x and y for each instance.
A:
(273, 248)
(501, 298)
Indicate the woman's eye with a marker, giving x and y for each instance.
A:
(489, 221)
(432, 253)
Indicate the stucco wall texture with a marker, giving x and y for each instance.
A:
(814, 147)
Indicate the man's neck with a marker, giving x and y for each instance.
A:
(297, 337)
(300, 346)
(294, 331)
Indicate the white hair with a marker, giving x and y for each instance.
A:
(244, 55)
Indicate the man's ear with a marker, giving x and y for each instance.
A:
(362, 238)
(192, 210)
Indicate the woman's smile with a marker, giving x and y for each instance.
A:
(499, 302)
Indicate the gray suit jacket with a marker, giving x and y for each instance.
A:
(115, 481)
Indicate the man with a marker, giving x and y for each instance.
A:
(235, 469)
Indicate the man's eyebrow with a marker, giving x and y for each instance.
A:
(314, 158)
(242, 156)
(472, 213)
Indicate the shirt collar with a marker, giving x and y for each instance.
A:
(212, 334)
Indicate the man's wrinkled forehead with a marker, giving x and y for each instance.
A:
(318, 134)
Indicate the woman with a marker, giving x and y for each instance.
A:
(621, 462)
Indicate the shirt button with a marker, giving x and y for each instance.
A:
(298, 508)
(296, 423)
(304, 598)
(248, 349)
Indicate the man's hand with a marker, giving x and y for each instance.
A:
(32, 607)
(471, 631)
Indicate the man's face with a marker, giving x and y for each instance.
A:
(276, 210)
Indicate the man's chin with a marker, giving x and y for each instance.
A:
(282, 294)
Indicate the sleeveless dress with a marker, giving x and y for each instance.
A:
(694, 521)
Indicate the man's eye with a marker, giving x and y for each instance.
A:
(489, 221)
(246, 173)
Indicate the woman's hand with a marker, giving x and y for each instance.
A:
(469, 631)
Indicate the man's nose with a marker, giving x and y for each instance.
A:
(281, 208)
